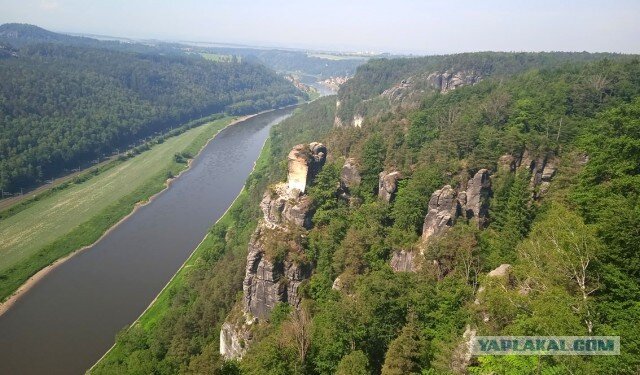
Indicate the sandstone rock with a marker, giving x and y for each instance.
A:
(477, 197)
(443, 210)
(337, 284)
(281, 206)
(304, 163)
(447, 81)
(234, 340)
(507, 163)
(388, 185)
(404, 261)
(266, 283)
(501, 271)
(349, 176)
(462, 355)
(549, 171)
(357, 121)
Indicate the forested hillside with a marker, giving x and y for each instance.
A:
(63, 105)
(505, 205)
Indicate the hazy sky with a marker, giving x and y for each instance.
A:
(399, 26)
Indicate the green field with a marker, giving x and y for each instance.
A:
(76, 216)
(219, 57)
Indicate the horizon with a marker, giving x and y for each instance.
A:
(402, 28)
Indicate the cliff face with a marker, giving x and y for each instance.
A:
(408, 93)
(445, 207)
(276, 263)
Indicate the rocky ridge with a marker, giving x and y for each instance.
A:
(275, 260)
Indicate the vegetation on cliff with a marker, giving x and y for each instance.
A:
(581, 118)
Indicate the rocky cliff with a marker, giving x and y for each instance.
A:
(408, 93)
(276, 264)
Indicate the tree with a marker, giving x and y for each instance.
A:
(354, 363)
(404, 354)
(297, 332)
(562, 250)
(373, 156)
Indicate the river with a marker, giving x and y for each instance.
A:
(69, 319)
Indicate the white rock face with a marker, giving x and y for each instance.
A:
(304, 162)
(501, 271)
(230, 345)
(298, 168)
(358, 120)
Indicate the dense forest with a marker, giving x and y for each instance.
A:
(66, 100)
(564, 245)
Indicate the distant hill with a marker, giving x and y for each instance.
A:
(282, 61)
(65, 100)
(19, 34)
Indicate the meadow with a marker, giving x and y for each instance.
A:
(76, 216)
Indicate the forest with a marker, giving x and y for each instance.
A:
(571, 246)
(64, 103)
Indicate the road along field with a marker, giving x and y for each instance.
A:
(78, 215)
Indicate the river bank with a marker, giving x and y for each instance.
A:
(93, 294)
(43, 272)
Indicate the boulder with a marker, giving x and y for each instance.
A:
(503, 270)
(388, 185)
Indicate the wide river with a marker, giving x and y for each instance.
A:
(69, 319)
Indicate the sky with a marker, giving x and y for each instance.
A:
(396, 26)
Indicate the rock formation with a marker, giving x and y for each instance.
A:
(349, 175)
(448, 80)
(404, 261)
(275, 260)
(444, 208)
(407, 94)
(304, 162)
(476, 197)
(388, 185)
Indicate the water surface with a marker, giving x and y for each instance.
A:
(66, 322)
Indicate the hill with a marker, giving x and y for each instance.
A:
(499, 204)
(66, 102)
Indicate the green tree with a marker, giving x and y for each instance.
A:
(354, 363)
(372, 159)
(404, 354)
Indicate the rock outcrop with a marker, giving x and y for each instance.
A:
(388, 185)
(444, 208)
(404, 261)
(449, 80)
(446, 205)
(304, 162)
(476, 197)
(276, 265)
(349, 175)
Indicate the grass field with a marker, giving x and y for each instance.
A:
(219, 57)
(79, 214)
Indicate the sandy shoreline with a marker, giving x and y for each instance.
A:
(33, 280)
